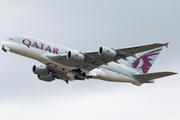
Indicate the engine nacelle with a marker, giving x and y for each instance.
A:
(47, 78)
(107, 52)
(75, 56)
(40, 70)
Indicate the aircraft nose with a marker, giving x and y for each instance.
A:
(3, 43)
(4, 46)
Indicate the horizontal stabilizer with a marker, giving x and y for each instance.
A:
(151, 76)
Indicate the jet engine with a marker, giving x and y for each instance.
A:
(107, 52)
(47, 78)
(75, 56)
(40, 70)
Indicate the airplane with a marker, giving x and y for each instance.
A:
(68, 64)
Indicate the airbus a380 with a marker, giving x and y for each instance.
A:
(69, 64)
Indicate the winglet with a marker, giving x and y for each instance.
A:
(166, 44)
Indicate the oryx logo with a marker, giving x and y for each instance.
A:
(144, 62)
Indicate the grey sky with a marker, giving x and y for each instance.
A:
(85, 26)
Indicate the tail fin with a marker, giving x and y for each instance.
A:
(144, 60)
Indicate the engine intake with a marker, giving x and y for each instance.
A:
(40, 70)
(75, 56)
(107, 52)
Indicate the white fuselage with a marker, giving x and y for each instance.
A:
(38, 49)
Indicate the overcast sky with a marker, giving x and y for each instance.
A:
(85, 26)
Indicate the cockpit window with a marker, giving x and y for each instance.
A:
(10, 38)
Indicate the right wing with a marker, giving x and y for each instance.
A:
(94, 59)
(90, 60)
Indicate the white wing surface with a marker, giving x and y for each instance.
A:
(91, 60)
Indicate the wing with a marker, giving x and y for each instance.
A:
(91, 60)
(58, 74)
(125, 52)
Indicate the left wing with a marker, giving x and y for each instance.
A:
(49, 73)
(91, 60)
(58, 74)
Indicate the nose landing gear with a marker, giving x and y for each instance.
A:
(4, 49)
